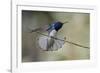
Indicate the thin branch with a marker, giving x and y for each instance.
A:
(64, 40)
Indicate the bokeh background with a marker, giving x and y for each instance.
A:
(77, 30)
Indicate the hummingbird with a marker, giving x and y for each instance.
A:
(52, 32)
(52, 42)
(47, 42)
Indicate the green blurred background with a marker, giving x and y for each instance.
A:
(77, 30)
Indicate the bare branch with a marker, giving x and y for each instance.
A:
(64, 40)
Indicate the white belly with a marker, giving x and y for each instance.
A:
(53, 33)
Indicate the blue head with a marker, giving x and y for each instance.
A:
(56, 26)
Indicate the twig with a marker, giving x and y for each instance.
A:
(64, 40)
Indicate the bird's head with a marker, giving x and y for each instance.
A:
(58, 25)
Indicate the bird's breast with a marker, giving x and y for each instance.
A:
(53, 33)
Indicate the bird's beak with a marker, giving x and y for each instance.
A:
(65, 22)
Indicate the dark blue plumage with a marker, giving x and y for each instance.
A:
(55, 26)
(58, 25)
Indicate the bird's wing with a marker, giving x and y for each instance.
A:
(40, 29)
(49, 45)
